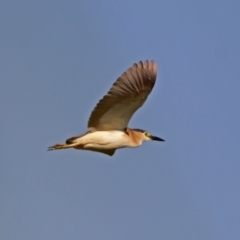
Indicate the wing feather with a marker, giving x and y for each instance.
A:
(128, 93)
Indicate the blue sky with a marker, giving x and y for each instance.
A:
(58, 58)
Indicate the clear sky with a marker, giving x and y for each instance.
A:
(58, 58)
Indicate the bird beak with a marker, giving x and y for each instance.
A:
(157, 138)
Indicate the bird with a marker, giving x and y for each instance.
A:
(108, 123)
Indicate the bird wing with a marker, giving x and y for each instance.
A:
(128, 93)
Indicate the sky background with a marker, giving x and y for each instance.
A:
(58, 58)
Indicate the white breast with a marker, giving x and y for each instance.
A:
(105, 140)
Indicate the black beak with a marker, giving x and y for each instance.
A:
(157, 138)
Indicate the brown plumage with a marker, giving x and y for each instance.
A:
(126, 95)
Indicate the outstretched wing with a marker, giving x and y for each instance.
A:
(128, 93)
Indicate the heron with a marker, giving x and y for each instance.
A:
(108, 123)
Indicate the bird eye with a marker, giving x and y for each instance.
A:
(146, 134)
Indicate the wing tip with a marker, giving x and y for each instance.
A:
(148, 64)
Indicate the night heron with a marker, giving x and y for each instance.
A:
(108, 124)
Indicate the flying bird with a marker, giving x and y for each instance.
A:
(108, 124)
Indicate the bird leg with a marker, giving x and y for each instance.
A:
(61, 146)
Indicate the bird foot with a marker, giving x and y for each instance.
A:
(56, 146)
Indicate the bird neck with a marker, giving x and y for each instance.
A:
(134, 136)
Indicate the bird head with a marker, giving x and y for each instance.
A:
(146, 136)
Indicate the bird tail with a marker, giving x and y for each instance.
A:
(72, 139)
